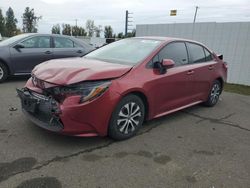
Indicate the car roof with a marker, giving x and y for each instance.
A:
(167, 39)
(59, 35)
(42, 34)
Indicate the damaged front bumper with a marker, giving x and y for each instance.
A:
(42, 110)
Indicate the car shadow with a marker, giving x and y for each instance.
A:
(65, 140)
(20, 78)
(172, 117)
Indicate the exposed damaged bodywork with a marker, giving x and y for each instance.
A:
(74, 70)
(56, 88)
(68, 109)
(42, 110)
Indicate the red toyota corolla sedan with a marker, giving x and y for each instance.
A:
(112, 90)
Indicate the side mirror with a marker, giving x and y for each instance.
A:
(19, 45)
(164, 65)
(167, 63)
(220, 57)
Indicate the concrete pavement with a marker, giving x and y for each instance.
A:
(196, 147)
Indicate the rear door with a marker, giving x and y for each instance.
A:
(173, 89)
(65, 47)
(204, 66)
(37, 49)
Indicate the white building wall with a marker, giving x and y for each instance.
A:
(232, 39)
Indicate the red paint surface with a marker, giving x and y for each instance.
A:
(164, 92)
(73, 70)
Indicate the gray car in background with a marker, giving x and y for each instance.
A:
(21, 53)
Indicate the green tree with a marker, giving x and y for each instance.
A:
(108, 31)
(30, 20)
(98, 31)
(18, 31)
(10, 23)
(120, 35)
(82, 32)
(78, 31)
(56, 29)
(75, 31)
(131, 34)
(66, 29)
(2, 24)
(90, 27)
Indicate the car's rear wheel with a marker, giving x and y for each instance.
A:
(214, 94)
(3, 72)
(127, 118)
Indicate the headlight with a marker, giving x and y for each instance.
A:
(87, 90)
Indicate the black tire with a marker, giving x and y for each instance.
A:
(127, 118)
(214, 94)
(3, 72)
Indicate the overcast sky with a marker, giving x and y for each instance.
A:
(112, 12)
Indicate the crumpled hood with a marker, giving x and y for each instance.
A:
(72, 70)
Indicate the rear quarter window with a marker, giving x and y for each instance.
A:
(76, 45)
(208, 55)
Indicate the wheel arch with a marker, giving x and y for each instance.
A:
(221, 82)
(143, 97)
(6, 65)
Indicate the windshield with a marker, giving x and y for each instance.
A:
(126, 51)
(13, 39)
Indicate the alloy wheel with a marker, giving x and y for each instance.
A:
(215, 93)
(129, 118)
(1, 73)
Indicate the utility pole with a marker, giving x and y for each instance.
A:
(196, 9)
(76, 22)
(127, 22)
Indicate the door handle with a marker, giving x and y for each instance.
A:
(211, 67)
(190, 72)
(79, 51)
(48, 52)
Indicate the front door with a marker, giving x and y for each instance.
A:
(175, 88)
(35, 50)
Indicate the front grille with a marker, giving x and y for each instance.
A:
(41, 109)
(39, 96)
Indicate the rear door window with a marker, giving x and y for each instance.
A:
(196, 53)
(61, 42)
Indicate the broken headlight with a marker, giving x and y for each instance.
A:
(87, 90)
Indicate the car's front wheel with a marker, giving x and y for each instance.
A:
(214, 94)
(3, 72)
(127, 118)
